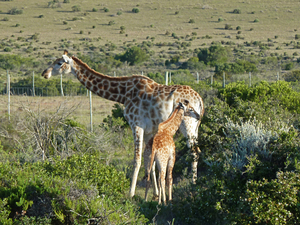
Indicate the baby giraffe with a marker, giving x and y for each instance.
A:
(161, 149)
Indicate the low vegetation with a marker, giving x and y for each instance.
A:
(249, 140)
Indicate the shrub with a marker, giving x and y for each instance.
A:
(256, 21)
(237, 11)
(66, 1)
(94, 10)
(220, 19)
(288, 66)
(297, 36)
(119, 13)
(15, 11)
(228, 27)
(6, 19)
(111, 22)
(7, 49)
(76, 8)
(133, 56)
(191, 21)
(135, 10)
(105, 9)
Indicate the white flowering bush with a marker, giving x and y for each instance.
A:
(248, 139)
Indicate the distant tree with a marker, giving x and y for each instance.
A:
(76, 8)
(215, 54)
(133, 56)
(135, 10)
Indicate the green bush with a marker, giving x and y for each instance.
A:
(215, 54)
(133, 56)
(228, 27)
(15, 11)
(237, 11)
(69, 191)
(105, 9)
(76, 8)
(135, 10)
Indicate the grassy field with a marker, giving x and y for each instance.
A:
(49, 27)
(79, 104)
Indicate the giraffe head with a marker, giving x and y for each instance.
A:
(59, 66)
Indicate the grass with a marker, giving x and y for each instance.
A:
(276, 18)
(100, 109)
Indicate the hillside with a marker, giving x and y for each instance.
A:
(84, 25)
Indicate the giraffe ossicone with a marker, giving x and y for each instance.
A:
(146, 104)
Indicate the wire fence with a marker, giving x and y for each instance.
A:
(37, 91)
(209, 78)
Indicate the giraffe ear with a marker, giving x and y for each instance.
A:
(66, 58)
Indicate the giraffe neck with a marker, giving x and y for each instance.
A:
(111, 88)
(171, 125)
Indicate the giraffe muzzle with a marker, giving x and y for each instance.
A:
(47, 73)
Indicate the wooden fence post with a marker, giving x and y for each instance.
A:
(249, 79)
(8, 94)
(91, 111)
(61, 87)
(33, 92)
(166, 77)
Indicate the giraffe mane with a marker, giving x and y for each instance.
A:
(78, 61)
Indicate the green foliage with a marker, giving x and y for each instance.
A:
(262, 93)
(275, 201)
(133, 56)
(288, 66)
(15, 11)
(191, 21)
(228, 27)
(220, 19)
(193, 64)
(105, 9)
(87, 168)
(237, 11)
(214, 54)
(4, 212)
(292, 76)
(157, 77)
(135, 10)
(76, 8)
(73, 190)
(15, 62)
(238, 67)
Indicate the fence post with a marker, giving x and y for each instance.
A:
(166, 77)
(61, 87)
(8, 94)
(197, 78)
(249, 79)
(223, 79)
(91, 111)
(114, 73)
(33, 92)
(170, 77)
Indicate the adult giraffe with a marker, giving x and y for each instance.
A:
(146, 105)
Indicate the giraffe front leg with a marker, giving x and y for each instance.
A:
(138, 143)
